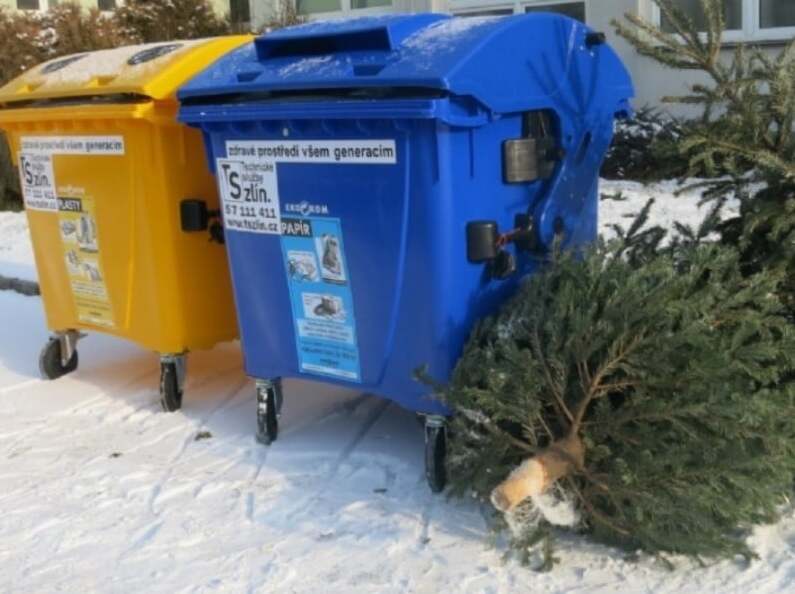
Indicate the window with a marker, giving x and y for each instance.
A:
(313, 6)
(732, 13)
(106, 4)
(370, 3)
(746, 20)
(575, 10)
(569, 8)
(28, 4)
(346, 6)
(776, 13)
(240, 11)
(488, 12)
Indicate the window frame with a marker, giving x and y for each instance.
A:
(541, 3)
(770, 33)
(478, 8)
(457, 7)
(370, 9)
(464, 7)
(230, 15)
(43, 5)
(117, 3)
(751, 30)
(346, 9)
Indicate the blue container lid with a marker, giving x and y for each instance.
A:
(507, 64)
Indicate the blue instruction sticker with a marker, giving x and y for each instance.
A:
(320, 294)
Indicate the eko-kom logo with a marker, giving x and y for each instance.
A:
(306, 209)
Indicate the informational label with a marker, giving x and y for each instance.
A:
(76, 212)
(350, 152)
(72, 145)
(312, 246)
(250, 196)
(320, 294)
(38, 181)
(36, 171)
(78, 228)
(247, 176)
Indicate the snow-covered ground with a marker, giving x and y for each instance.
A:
(101, 492)
(668, 205)
(16, 252)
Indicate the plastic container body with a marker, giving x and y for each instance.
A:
(104, 165)
(352, 156)
(164, 289)
(410, 297)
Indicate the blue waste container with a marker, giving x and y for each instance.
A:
(386, 181)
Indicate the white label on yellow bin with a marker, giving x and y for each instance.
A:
(36, 172)
(77, 221)
(247, 177)
(38, 181)
(73, 145)
(78, 227)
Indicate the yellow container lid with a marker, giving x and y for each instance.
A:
(154, 70)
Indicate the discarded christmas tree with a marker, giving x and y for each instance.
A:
(745, 138)
(641, 386)
(643, 393)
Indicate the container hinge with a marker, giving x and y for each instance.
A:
(595, 38)
(195, 217)
(485, 244)
(534, 155)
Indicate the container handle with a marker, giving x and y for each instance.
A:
(372, 39)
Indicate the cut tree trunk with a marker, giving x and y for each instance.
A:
(537, 474)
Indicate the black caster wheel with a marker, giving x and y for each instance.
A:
(170, 391)
(435, 456)
(269, 404)
(50, 364)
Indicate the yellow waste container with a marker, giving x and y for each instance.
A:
(121, 205)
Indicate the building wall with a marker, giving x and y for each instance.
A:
(652, 80)
(221, 7)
